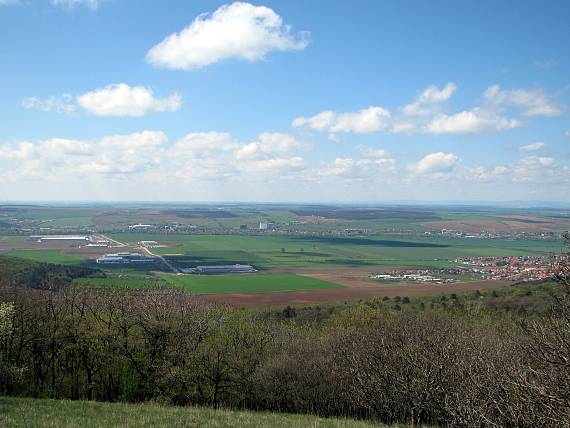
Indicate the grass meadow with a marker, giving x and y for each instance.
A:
(45, 255)
(27, 412)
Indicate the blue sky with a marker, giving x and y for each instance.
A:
(284, 100)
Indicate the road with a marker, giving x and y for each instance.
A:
(166, 262)
(114, 241)
(145, 249)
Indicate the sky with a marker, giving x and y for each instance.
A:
(284, 101)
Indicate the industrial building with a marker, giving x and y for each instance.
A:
(220, 269)
(60, 238)
(140, 226)
(125, 258)
(99, 244)
(266, 226)
(150, 244)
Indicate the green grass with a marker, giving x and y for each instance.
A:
(201, 284)
(267, 252)
(47, 256)
(216, 284)
(27, 412)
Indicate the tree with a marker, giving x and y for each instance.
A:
(10, 373)
(546, 378)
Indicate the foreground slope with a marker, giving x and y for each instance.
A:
(28, 412)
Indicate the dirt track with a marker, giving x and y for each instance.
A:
(358, 286)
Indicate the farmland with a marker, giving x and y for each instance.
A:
(44, 255)
(219, 284)
(275, 252)
(308, 254)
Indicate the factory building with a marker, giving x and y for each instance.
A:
(149, 244)
(60, 238)
(140, 226)
(266, 226)
(220, 269)
(125, 258)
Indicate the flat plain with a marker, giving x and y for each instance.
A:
(310, 254)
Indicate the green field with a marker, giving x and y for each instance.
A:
(269, 252)
(218, 284)
(47, 256)
(246, 283)
(28, 412)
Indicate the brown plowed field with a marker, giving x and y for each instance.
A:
(358, 286)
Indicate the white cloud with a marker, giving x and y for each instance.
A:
(276, 166)
(112, 100)
(567, 133)
(371, 119)
(70, 4)
(273, 154)
(124, 100)
(374, 164)
(8, 2)
(334, 138)
(423, 104)
(63, 104)
(239, 30)
(532, 102)
(60, 157)
(532, 147)
(484, 174)
(198, 143)
(534, 169)
(470, 122)
(269, 144)
(436, 163)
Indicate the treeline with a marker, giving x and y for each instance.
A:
(19, 272)
(461, 367)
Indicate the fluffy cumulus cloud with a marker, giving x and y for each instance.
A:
(124, 100)
(371, 119)
(470, 122)
(430, 96)
(414, 116)
(269, 144)
(530, 102)
(196, 156)
(372, 164)
(112, 100)
(60, 157)
(198, 143)
(239, 30)
(532, 147)
(436, 163)
(70, 4)
(426, 112)
(274, 153)
(567, 133)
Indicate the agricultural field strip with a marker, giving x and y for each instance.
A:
(219, 284)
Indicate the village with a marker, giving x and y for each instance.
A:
(515, 268)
